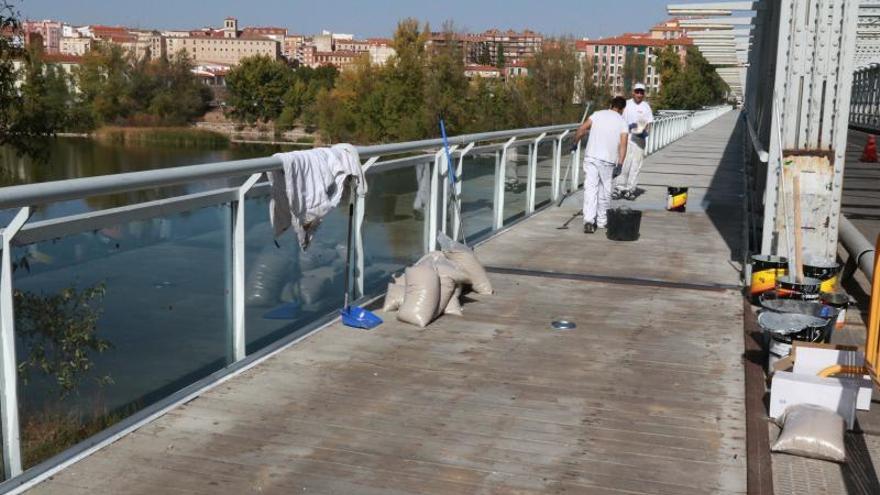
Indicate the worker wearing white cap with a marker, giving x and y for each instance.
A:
(640, 118)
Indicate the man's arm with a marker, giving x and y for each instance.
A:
(621, 147)
(582, 131)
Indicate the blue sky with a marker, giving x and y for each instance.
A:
(580, 18)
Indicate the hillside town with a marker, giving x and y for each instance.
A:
(494, 53)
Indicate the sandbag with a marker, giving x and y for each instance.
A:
(451, 280)
(394, 297)
(467, 262)
(422, 296)
(271, 271)
(454, 305)
(812, 431)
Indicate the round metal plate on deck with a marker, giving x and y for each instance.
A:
(563, 324)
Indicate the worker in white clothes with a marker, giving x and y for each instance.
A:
(603, 157)
(640, 118)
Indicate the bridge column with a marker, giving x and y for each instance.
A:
(811, 101)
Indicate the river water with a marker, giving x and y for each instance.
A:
(165, 285)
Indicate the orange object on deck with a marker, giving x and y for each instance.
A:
(872, 345)
(870, 153)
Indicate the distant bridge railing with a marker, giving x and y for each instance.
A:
(189, 286)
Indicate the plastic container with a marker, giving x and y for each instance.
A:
(624, 224)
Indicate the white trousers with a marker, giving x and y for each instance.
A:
(635, 156)
(597, 190)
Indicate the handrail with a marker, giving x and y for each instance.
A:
(63, 190)
(763, 155)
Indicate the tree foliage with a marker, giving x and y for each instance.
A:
(257, 87)
(688, 86)
(550, 86)
(58, 333)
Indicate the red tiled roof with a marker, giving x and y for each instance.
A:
(641, 40)
(59, 58)
(379, 41)
(482, 68)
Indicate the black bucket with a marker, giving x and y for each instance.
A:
(676, 199)
(623, 224)
(788, 288)
(766, 269)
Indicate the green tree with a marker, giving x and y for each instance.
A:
(58, 333)
(550, 87)
(303, 92)
(103, 82)
(257, 87)
(633, 70)
(446, 87)
(27, 113)
(500, 61)
(687, 86)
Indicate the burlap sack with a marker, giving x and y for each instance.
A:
(454, 305)
(422, 296)
(467, 262)
(394, 297)
(812, 431)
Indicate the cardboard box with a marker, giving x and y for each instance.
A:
(790, 389)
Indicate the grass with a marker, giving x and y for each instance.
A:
(185, 137)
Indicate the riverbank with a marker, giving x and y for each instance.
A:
(170, 136)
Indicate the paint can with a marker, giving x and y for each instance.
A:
(788, 288)
(817, 309)
(676, 199)
(781, 329)
(766, 270)
(838, 301)
(826, 271)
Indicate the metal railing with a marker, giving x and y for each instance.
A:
(502, 147)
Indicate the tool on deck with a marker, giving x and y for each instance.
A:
(450, 172)
(354, 316)
(565, 225)
(573, 158)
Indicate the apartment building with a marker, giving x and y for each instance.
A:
(619, 60)
(381, 49)
(50, 32)
(75, 45)
(226, 46)
(516, 46)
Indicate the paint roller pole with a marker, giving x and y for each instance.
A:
(571, 162)
(798, 231)
(792, 268)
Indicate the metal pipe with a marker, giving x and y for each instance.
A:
(857, 246)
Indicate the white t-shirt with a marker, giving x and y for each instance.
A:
(639, 114)
(605, 133)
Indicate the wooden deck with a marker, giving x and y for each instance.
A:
(645, 396)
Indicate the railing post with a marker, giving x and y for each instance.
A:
(8, 363)
(456, 212)
(532, 174)
(500, 178)
(557, 164)
(360, 208)
(238, 338)
(439, 161)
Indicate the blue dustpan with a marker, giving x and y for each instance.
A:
(287, 311)
(358, 317)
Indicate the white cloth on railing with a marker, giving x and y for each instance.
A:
(310, 184)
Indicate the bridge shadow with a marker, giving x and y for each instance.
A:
(724, 198)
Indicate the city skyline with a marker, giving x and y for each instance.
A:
(373, 19)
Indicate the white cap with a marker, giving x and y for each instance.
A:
(639, 86)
